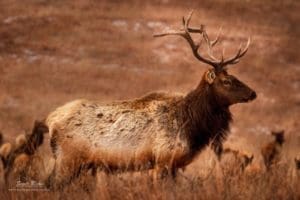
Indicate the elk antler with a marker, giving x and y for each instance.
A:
(186, 31)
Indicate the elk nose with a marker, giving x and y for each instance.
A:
(253, 95)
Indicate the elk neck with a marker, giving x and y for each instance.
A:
(203, 119)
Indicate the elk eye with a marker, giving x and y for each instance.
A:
(227, 82)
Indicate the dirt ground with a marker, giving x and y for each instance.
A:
(55, 51)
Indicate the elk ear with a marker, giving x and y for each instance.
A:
(210, 76)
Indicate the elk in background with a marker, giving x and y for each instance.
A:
(271, 151)
(239, 158)
(21, 156)
(160, 131)
(5, 151)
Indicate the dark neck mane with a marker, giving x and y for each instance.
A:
(203, 119)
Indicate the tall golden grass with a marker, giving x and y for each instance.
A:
(207, 179)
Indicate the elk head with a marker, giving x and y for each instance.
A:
(227, 88)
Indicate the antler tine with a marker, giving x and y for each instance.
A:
(235, 59)
(185, 33)
(170, 32)
(186, 25)
(214, 42)
(209, 45)
(194, 46)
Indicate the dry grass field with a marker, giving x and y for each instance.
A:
(54, 51)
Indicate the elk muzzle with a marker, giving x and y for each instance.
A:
(251, 97)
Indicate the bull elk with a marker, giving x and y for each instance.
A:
(160, 131)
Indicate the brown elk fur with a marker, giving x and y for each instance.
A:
(31, 167)
(19, 166)
(5, 150)
(20, 140)
(24, 150)
(271, 151)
